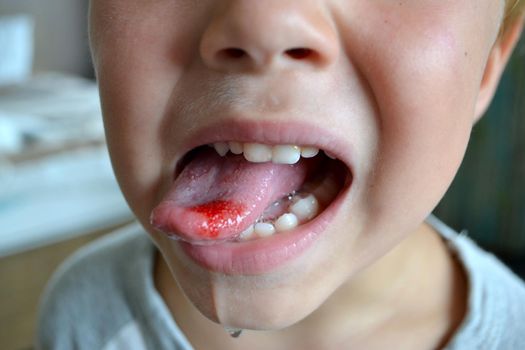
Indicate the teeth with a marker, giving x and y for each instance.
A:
(264, 229)
(286, 222)
(309, 152)
(286, 154)
(305, 208)
(248, 233)
(222, 148)
(300, 211)
(257, 153)
(329, 155)
(260, 153)
(236, 147)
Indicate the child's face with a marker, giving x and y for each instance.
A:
(390, 87)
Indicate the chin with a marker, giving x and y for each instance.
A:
(264, 315)
(265, 302)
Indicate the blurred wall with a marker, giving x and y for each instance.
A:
(60, 33)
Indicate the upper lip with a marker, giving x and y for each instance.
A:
(271, 133)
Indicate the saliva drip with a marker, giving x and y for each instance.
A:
(233, 332)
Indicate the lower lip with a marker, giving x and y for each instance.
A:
(263, 255)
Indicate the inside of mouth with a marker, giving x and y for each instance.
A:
(302, 205)
(322, 180)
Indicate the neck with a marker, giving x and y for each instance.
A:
(417, 288)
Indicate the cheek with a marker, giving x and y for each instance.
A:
(425, 85)
(132, 112)
(139, 56)
(426, 112)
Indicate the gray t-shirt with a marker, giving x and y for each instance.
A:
(103, 297)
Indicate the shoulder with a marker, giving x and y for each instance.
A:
(83, 305)
(496, 297)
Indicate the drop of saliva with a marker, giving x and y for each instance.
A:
(233, 332)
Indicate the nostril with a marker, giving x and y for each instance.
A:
(232, 52)
(300, 53)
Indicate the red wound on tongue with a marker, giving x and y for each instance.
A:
(218, 215)
(216, 198)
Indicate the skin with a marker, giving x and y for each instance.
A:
(402, 81)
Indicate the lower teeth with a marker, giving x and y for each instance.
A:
(299, 208)
(286, 222)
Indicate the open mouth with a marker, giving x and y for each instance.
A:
(249, 202)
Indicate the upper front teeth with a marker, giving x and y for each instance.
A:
(257, 153)
(260, 153)
(235, 147)
(286, 154)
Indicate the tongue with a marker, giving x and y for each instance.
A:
(216, 198)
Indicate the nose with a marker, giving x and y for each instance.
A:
(255, 35)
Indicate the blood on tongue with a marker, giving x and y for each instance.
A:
(219, 214)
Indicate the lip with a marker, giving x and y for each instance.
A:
(262, 256)
(270, 133)
(265, 255)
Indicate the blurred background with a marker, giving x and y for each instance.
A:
(487, 197)
(57, 190)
